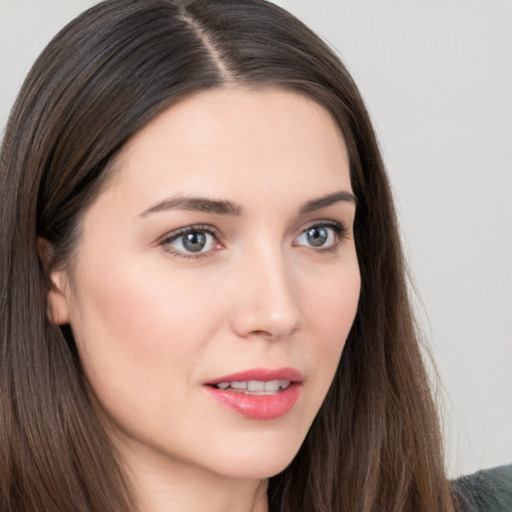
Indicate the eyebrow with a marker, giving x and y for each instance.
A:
(324, 202)
(221, 207)
(198, 204)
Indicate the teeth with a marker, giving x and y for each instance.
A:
(272, 385)
(256, 386)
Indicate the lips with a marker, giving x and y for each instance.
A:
(259, 394)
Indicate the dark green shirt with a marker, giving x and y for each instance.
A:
(489, 490)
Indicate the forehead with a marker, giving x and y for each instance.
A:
(227, 141)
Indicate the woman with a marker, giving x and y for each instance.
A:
(163, 154)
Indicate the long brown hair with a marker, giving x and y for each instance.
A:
(375, 444)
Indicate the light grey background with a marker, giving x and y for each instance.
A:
(437, 77)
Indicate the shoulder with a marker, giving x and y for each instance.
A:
(489, 490)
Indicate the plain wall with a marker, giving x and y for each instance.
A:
(437, 78)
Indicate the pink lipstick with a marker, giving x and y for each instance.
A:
(260, 393)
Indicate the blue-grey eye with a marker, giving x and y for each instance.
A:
(317, 236)
(193, 241)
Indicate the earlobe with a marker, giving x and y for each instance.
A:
(58, 311)
(57, 301)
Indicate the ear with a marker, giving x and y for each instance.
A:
(58, 302)
(58, 311)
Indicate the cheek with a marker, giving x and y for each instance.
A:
(335, 312)
(137, 331)
(332, 300)
(330, 314)
(140, 309)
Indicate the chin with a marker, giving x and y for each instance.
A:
(258, 460)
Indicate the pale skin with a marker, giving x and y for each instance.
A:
(271, 280)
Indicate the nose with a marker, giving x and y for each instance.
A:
(266, 300)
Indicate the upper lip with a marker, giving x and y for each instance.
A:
(260, 374)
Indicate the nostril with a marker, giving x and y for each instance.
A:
(266, 334)
(265, 310)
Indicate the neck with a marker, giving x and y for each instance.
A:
(167, 485)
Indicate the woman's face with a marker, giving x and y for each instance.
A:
(216, 281)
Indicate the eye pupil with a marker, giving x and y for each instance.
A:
(194, 242)
(317, 236)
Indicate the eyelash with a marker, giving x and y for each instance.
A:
(339, 230)
(196, 228)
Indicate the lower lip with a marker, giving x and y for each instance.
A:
(258, 407)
